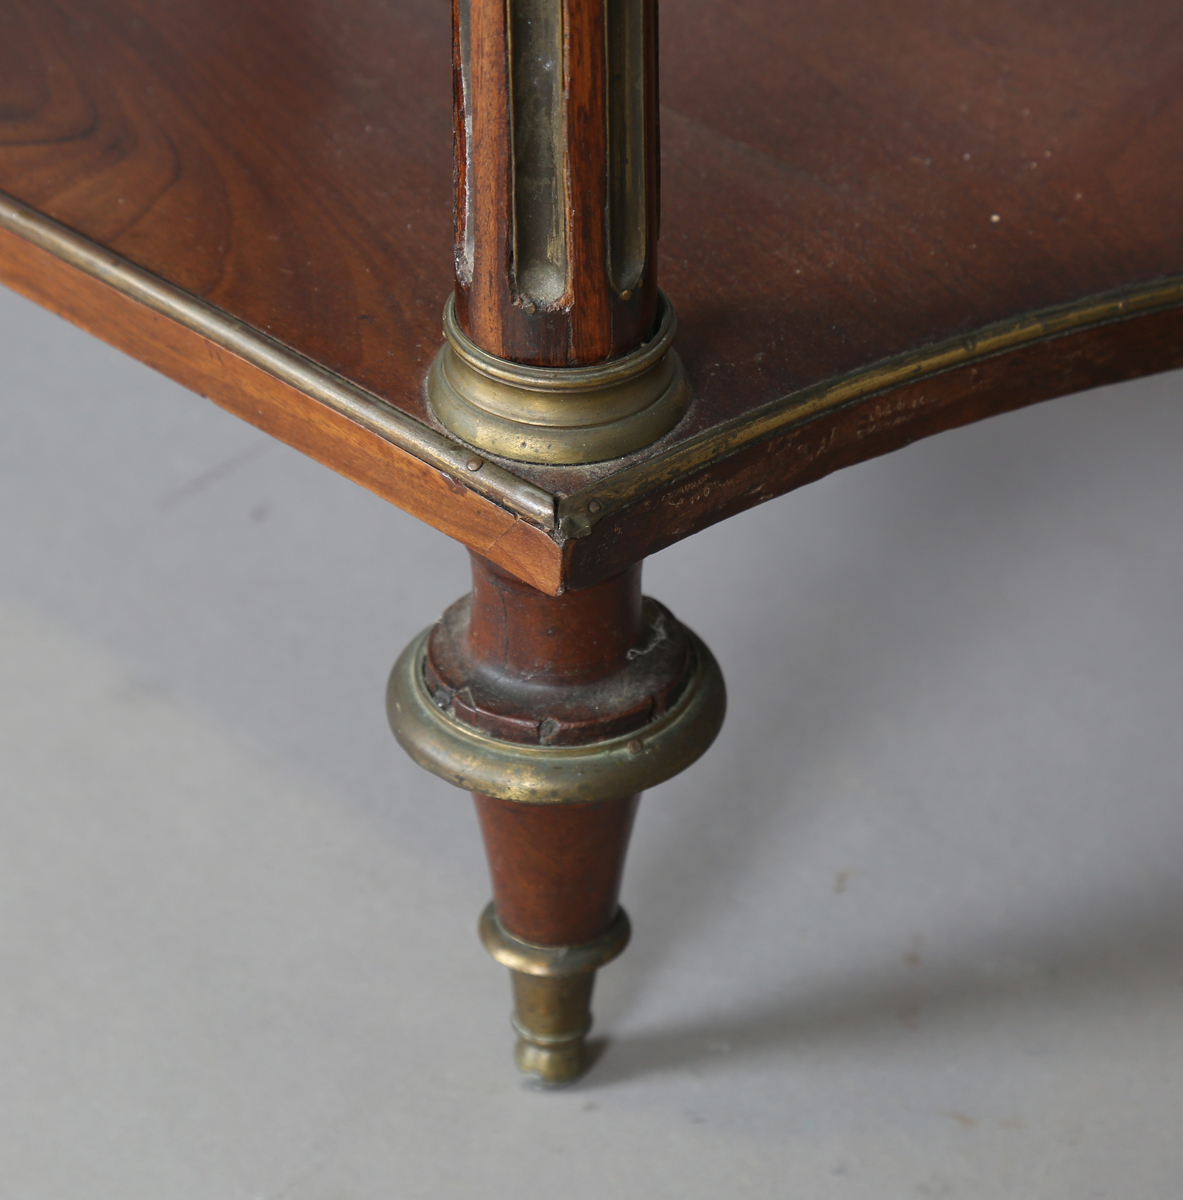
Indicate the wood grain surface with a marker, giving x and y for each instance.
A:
(842, 182)
(556, 868)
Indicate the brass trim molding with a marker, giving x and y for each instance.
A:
(798, 408)
(518, 495)
(572, 516)
(537, 137)
(532, 774)
(530, 959)
(558, 415)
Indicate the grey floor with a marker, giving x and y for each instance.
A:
(914, 928)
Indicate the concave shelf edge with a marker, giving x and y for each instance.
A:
(547, 538)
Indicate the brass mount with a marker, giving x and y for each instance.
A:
(552, 988)
(558, 415)
(531, 774)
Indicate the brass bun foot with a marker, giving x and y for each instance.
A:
(552, 990)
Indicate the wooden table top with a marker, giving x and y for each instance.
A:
(881, 219)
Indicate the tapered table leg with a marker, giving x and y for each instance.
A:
(556, 712)
(554, 918)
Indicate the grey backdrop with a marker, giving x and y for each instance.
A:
(914, 927)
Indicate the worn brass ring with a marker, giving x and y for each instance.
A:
(531, 774)
(558, 414)
(532, 959)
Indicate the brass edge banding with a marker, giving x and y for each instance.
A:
(362, 407)
(531, 774)
(569, 516)
(531, 959)
(558, 415)
(798, 408)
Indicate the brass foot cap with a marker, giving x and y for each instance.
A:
(553, 1065)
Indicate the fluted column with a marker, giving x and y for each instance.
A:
(557, 212)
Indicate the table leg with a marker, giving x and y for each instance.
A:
(556, 712)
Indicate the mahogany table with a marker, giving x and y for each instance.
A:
(877, 222)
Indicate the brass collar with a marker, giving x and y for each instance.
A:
(558, 414)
